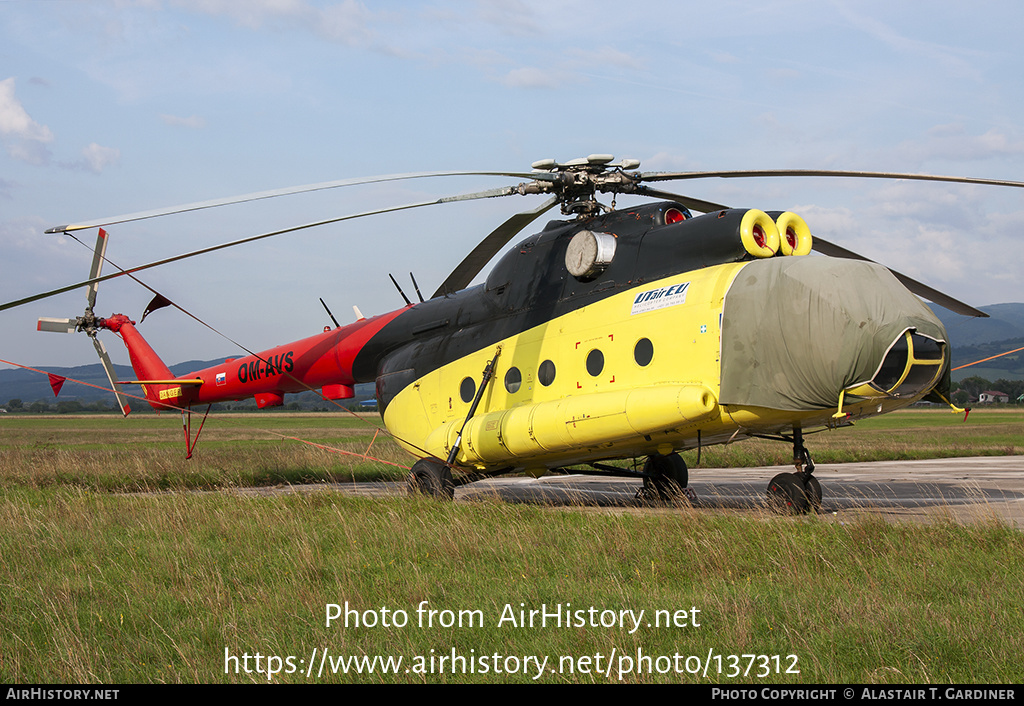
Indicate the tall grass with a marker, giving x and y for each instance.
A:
(110, 453)
(109, 588)
(100, 586)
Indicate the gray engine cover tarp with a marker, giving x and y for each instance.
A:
(797, 330)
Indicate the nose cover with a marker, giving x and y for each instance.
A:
(798, 330)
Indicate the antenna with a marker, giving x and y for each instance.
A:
(336, 324)
(394, 282)
(416, 286)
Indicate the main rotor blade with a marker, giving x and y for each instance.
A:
(743, 173)
(288, 191)
(122, 401)
(823, 246)
(97, 265)
(492, 193)
(688, 201)
(471, 265)
(918, 288)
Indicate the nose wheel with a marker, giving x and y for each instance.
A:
(800, 492)
(431, 477)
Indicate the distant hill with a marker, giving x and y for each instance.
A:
(1006, 322)
(29, 386)
(972, 339)
(975, 338)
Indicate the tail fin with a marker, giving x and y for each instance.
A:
(145, 362)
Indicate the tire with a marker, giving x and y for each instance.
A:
(666, 476)
(813, 493)
(430, 476)
(787, 494)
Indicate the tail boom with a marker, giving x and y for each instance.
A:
(321, 361)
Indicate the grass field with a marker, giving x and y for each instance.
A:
(102, 585)
(106, 452)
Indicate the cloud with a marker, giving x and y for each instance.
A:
(24, 137)
(723, 57)
(667, 161)
(953, 60)
(248, 13)
(343, 22)
(95, 158)
(952, 142)
(605, 57)
(531, 77)
(510, 16)
(195, 122)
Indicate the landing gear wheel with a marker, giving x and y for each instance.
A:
(430, 476)
(813, 493)
(788, 495)
(666, 478)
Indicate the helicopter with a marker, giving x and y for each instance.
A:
(609, 335)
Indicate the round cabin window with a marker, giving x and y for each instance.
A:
(513, 380)
(546, 373)
(467, 389)
(643, 352)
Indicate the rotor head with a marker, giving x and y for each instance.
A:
(576, 183)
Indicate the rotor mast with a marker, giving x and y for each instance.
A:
(575, 183)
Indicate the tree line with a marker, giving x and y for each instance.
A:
(968, 389)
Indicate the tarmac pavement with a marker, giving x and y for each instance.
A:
(987, 488)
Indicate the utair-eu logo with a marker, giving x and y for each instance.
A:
(660, 298)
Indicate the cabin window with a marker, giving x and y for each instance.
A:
(467, 389)
(912, 363)
(643, 352)
(546, 373)
(595, 362)
(513, 379)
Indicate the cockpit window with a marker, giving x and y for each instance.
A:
(913, 363)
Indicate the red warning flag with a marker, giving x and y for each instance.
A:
(56, 382)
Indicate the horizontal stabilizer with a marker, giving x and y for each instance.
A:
(195, 382)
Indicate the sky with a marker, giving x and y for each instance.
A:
(112, 107)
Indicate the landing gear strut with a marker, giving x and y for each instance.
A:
(666, 478)
(800, 492)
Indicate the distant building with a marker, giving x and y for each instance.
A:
(993, 397)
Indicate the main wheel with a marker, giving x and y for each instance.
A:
(787, 494)
(813, 493)
(666, 476)
(429, 476)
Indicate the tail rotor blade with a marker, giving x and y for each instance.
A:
(97, 265)
(57, 325)
(122, 401)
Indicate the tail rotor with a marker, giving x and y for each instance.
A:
(89, 323)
